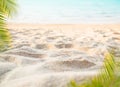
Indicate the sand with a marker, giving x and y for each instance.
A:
(51, 55)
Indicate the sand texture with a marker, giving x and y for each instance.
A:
(52, 55)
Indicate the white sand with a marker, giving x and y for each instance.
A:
(52, 55)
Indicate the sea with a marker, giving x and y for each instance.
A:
(67, 11)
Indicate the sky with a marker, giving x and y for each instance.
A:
(67, 11)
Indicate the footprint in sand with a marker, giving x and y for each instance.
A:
(27, 54)
(42, 46)
(66, 53)
(22, 45)
(20, 60)
(64, 45)
(68, 65)
(116, 36)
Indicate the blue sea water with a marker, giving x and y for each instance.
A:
(68, 11)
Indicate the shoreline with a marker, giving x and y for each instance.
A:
(67, 29)
(64, 27)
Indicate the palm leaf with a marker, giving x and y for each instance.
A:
(108, 76)
(7, 9)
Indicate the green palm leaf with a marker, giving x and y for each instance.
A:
(108, 77)
(7, 9)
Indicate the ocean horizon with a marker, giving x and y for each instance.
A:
(67, 11)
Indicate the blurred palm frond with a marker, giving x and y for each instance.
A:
(108, 76)
(7, 9)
